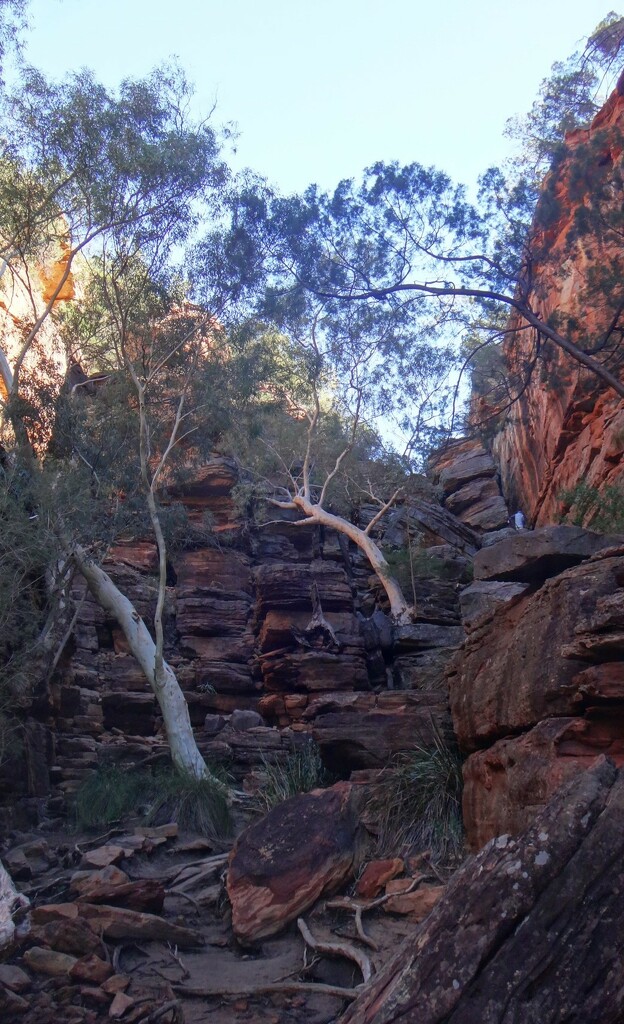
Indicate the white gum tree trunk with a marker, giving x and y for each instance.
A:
(399, 608)
(10, 898)
(160, 675)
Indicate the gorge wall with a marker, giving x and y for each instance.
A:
(256, 679)
(532, 650)
(567, 426)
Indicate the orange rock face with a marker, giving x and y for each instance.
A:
(57, 281)
(568, 426)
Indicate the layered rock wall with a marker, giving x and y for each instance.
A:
(256, 680)
(537, 691)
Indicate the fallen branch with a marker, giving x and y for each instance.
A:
(161, 1011)
(183, 895)
(90, 844)
(262, 990)
(202, 868)
(336, 949)
(178, 959)
(61, 881)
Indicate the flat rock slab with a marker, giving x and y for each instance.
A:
(462, 462)
(532, 556)
(119, 923)
(530, 930)
(482, 598)
(303, 848)
(355, 737)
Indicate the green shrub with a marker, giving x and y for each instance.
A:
(109, 794)
(602, 511)
(301, 772)
(199, 805)
(417, 802)
(114, 792)
(411, 563)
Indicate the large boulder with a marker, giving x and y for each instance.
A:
(305, 847)
(530, 930)
(521, 666)
(479, 600)
(459, 463)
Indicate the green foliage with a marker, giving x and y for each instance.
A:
(570, 97)
(602, 511)
(109, 794)
(300, 772)
(114, 792)
(25, 550)
(417, 802)
(413, 563)
(199, 805)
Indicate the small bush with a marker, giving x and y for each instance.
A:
(411, 564)
(602, 511)
(417, 802)
(113, 793)
(301, 772)
(109, 794)
(199, 805)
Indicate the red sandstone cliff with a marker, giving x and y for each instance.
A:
(567, 426)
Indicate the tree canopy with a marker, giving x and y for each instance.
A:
(205, 309)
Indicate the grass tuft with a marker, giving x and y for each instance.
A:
(199, 805)
(301, 772)
(417, 803)
(112, 793)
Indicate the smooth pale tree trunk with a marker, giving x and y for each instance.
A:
(160, 675)
(10, 898)
(399, 608)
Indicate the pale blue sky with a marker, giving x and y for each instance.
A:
(321, 89)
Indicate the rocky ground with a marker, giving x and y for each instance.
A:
(136, 925)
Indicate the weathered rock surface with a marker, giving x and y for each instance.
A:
(561, 435)
(467, 475)
(418, 904)
(523, 665)
(482, 598)
(461, 462)
(530, 930)
(376, 874)
(49, 962)
(531, 556)
(435, 524)
(279, 867)
(366, 733)
(118, 923)
(506, 785)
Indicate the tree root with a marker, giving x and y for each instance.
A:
(270, 989)
(344, 903)
(337, 949)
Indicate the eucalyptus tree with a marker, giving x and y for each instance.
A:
(338, 393)
(109, 184)
(409, 243)
(83, 168)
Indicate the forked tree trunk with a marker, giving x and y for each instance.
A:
(399, 608)
(160, 675)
